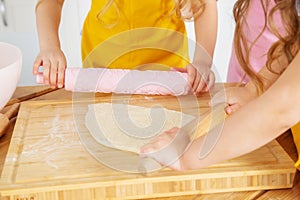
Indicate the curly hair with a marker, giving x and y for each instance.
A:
(196, 7)
(285, 48)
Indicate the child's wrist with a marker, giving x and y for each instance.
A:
(49, 47)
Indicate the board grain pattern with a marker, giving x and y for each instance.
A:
(46, 160)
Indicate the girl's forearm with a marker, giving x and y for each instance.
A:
(206, 26)
(255, 124)
(48, 14)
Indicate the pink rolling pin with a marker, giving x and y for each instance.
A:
(124, 81)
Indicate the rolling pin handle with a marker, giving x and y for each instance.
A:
(4, 124)
(12, 111)
(4, 118)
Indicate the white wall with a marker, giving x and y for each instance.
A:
(28, 44)
(70, 31)
(224, 40)
(21, 32)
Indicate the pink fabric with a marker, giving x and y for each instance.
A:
(252, 28)
(124, 81)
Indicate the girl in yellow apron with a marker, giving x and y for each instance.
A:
(132, 34)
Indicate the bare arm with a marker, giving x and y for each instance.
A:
(249, 128)
(255, 124)
(236, 97)
(48, 14)
(201, 78)
(206, 26)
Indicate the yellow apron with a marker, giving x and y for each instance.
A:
(296, 136)
(134, 34)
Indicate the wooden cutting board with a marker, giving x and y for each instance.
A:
(46, 160)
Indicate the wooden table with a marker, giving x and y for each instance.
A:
(285, 140)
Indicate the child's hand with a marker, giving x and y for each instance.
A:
(200, 78)
(167, 148)
(235, 97)
(53, 62)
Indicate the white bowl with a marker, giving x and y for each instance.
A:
(10, 70)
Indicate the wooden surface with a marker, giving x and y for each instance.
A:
(285, 140)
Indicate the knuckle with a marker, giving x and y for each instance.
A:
(53, 70)
(61, 69)
(46, 65)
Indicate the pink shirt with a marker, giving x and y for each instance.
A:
(255, 22)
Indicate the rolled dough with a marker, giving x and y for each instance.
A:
(128, 127)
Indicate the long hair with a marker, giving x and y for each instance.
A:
(285, 48)
(196, 7)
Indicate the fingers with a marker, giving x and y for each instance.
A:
(167, 148)
(53, 64)
(211, 81)
(172, 130)
(36, 65)
(159, 142)
(200, 80)
(191, 75)
(162, 150)
(200, 84)
(230, 97)
(173, 137)
(232, 108)
(46, 70)
(194, 79)
(61, 74)
(53, 75)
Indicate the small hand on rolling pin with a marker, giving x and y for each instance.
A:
(4, 118)
(53, 63)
